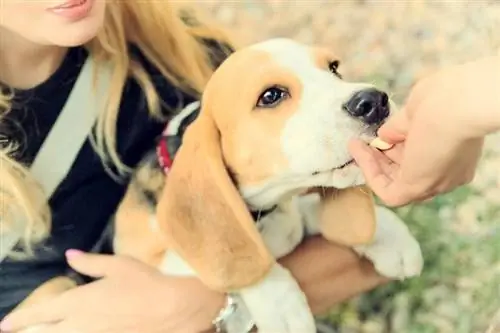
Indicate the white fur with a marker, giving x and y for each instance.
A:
(315, 138)
(395, 253)
(173, 124)
(285, 308)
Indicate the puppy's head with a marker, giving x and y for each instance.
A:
(286, 117)
(275, 119)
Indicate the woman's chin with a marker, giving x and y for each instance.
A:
(74, 39)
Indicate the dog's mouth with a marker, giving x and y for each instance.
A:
(340, 167)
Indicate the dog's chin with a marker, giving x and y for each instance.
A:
(342, 176)
(335, 168)
(272, 191)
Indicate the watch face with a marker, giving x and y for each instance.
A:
(235, 317)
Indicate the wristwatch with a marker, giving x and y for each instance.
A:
(234, 317)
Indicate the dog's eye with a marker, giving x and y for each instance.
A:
(272, 97)
(333, 66)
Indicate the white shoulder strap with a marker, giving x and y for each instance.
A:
(66, 138)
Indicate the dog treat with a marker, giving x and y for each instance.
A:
(380, 144)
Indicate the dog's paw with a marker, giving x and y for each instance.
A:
(278, 305)
(395, 253)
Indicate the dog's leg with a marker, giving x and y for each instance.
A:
(308, 206)
(283, 229)
(394, 252)
(240, 321)
(276, 304)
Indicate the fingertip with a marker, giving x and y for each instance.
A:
(73, 253)
(14, 322)
(395, 129)
(5, 325)
(390, 134)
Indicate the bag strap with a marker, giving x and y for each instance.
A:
(65, 140)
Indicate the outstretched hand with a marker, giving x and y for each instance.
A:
(438, 135)
(418, 167)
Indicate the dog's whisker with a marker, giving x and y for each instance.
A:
(334, 194)
(363, 191)
(323, 190)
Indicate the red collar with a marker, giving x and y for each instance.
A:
(164, 158)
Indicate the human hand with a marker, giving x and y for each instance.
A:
(130, 297)
(438, 135)
(329, 273)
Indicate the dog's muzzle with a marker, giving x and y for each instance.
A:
(369, 105)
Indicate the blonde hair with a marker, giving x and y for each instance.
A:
(172, 38)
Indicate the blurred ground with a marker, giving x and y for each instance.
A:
(393, 43)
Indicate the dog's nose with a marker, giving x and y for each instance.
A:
(371, 105)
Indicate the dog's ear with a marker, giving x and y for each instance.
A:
(347, 216)
(203, 216)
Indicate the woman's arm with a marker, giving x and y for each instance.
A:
(330, 274)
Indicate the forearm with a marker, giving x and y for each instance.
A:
(493, 117)
(330, 274)
(481, 97)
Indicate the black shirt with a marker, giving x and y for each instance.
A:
(87, 198)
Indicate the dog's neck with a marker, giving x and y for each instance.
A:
(265, 205)
(258, 214)
(270, 194)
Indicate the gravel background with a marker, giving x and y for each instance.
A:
(393, 43)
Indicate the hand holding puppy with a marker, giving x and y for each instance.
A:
(437, 136)
(128, 297)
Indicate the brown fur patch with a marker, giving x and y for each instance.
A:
(149, 177)
(251, 140)
(204, 218)
(323, 56)
(348, 216)
(134, 235)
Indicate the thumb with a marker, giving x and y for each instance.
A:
(395, 129)
(98, 265)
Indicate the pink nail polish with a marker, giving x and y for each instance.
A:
(72, 253)
(4, 326)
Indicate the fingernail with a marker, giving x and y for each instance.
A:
(4, 326)
(72, 253)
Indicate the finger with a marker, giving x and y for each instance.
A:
(388, 165)
(395, 129)
(99, 265)
(385, 185)
(31, 317)
(50, 311)
(367, 160)
(395, 154)
(62, 327)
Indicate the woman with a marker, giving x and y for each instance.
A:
(160, 63)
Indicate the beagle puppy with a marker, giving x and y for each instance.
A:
(261, 163)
